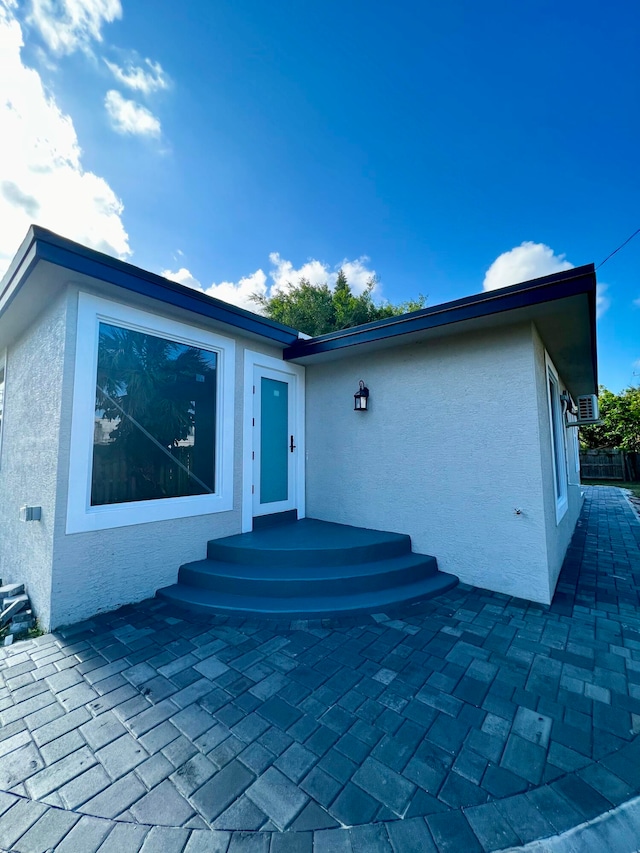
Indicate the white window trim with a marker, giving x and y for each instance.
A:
(257, 359)
(562, 498)
(81, 516)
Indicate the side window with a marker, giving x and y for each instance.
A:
(557, 442)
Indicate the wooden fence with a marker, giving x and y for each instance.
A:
(608, 464)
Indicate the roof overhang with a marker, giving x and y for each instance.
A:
(46, 263)
(562, 306)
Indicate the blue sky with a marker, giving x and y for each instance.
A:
(238, 145)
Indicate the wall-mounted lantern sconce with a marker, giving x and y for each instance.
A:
(361, 399)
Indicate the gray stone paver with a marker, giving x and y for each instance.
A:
(116, 798)
(48, 831)
(121, 756)
(277, 797)
(193, 774)
(18, 820)
(84, 787)
(162, 806)
(123, 838)
(86, 836)
(164, 839)
(207, 842)
(56, 775)
(485, 715)
(102, 730)
(18, 765)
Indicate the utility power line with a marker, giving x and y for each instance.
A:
(621, 246)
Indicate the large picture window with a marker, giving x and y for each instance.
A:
(154, 433)
(152, 425)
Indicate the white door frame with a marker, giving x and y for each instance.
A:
(251, 361)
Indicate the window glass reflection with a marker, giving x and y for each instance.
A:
(154, 428)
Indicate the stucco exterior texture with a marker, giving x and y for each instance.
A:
(456, 441)
(70, 577)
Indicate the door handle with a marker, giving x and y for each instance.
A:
(292, 446)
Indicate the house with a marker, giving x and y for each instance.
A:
(145, 419)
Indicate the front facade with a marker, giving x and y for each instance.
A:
(145, 419)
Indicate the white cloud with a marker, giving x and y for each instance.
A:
(527, 261)
(318, 272)
(282, 274)
(533, 260)
(128, 117)
(637, 302)
(236, 293)
(146, 80)
(183, 276)
(70, 25)
(41, 175)
(603, 300)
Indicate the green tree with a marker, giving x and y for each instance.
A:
(620, 414)
(317, 309)
(306, 307)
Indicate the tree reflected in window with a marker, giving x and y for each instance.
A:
(154, 429)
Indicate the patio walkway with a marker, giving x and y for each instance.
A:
(475, 722)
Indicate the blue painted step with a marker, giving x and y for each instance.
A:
(296, 581)
(309, 542)
(307, 569)
(320, 607)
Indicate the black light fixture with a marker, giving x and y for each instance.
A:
(361, 399)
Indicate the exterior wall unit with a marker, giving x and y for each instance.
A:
(559, 526)
(74, 576)
(29, 454)
(447, 453)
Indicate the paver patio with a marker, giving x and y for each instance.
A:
(474, 722)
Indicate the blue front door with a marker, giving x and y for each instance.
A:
(274, 441)
(275, 445)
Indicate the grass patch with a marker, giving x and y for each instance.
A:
(633, 487)
(31, 634)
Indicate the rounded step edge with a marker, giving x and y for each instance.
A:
(224, 604)
(296, 581)
(313, 555)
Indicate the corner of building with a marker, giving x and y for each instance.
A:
(560, 518)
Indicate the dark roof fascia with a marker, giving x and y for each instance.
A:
(557, 286)
(593, 316)
(47, 246)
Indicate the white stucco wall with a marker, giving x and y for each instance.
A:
(102, 570)
(72, 577)
(447, 452)
(457, 437)
(558, 533)
(28, 460)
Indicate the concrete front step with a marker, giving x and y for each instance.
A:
(316, 607)
(309, 542)
(300, 581)
(307, 569)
